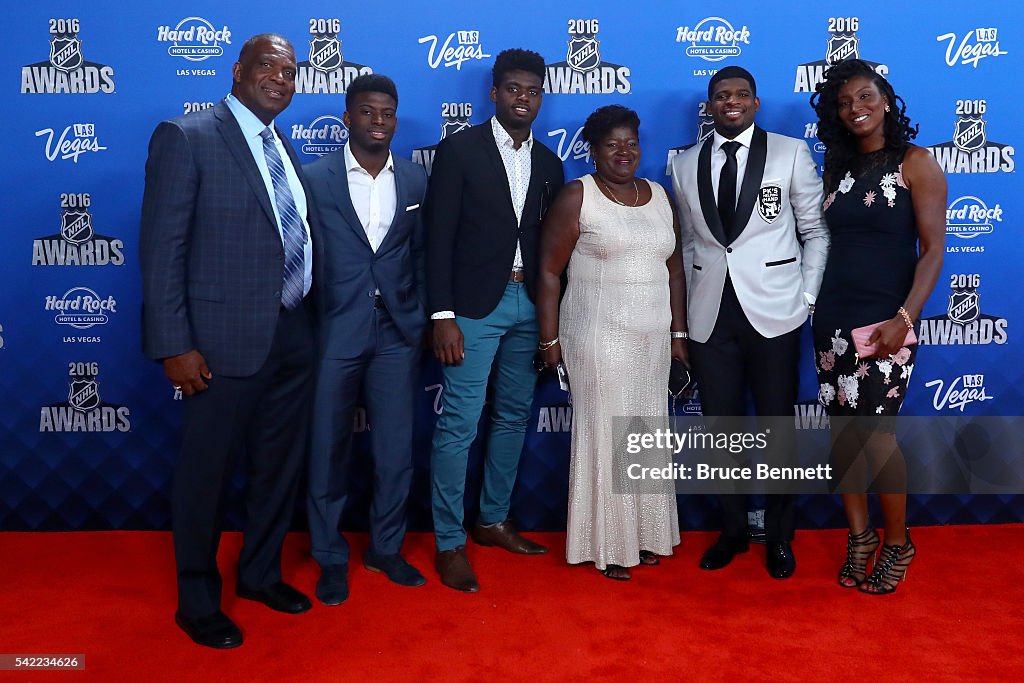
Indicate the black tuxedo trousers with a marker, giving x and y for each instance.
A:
(735, 360)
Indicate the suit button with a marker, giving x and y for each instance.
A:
(277, 294)
(728, 250)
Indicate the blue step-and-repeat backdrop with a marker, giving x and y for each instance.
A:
(89, 427)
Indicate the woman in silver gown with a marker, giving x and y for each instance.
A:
(626, 295)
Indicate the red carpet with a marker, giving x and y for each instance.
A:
(110, 596)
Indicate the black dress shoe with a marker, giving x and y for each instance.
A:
(277, 596)
(332, 588)
(721, 553)
(214, 630)
(780, 560)
(395, 568)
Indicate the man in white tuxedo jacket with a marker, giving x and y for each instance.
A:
(755, 245)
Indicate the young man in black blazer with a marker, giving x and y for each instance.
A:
(489, 189)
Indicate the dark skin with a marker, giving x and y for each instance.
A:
(862, 111)
(733, 106)
(861, 108)
(616, 157)
(264, 81)
(264, 78)
(517, 99)
(371, 121)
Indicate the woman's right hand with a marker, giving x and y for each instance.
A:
(552, 355)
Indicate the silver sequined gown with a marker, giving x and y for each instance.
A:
(614, 330)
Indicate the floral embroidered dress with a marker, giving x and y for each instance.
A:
(869, 273)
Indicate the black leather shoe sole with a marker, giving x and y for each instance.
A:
(290, 602)
(780, 563)
(781, 571)
(216, 631)
(719, 558)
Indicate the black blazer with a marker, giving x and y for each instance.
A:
(471, 223)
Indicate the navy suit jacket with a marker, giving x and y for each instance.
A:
(209, 246)
(472, 229)
(353, 271)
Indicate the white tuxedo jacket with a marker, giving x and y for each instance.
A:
(781, 250)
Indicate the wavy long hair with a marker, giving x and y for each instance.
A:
(840, 144)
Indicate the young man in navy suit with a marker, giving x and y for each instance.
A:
(372, 322)
(227, 253)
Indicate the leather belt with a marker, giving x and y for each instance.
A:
(517, 276)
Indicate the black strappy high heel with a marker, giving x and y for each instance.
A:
(859, 547)
(890, 569)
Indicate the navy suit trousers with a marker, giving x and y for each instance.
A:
(387, 368)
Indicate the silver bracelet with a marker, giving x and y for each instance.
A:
(544, 346)
(679, 335)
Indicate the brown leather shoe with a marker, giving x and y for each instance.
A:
(504, 535)
(453, 566)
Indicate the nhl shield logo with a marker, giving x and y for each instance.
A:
(769, 202)
(325, 53)
(705, 128)
(969, 134)
(842, 46)
(584, 53)
(66, 53)
(964, 306)
(76, 226)
(84, 395)
(453, 126)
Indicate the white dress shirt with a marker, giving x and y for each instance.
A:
(718, 157)
(519, 168)
(718, 161)
(374, 199)
(252, 128)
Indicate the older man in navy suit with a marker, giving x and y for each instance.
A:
(369, 204)
(228, 251)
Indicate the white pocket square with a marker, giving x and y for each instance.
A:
(411, 208)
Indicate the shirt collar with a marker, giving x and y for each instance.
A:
(352, 164)
(251, 126)
(503, 139)
(743, 138)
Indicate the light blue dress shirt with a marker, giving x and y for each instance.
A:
(251, 129)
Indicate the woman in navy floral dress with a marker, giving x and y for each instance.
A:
(885, 208)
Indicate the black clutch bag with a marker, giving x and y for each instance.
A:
(678, 378)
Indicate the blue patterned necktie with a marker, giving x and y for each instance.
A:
(293, 234)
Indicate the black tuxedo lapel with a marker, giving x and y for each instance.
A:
(752, 177)
(237, 145)
(342, 197)
(708, 203)
(493, 156)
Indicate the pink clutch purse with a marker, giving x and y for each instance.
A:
(862, 334)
